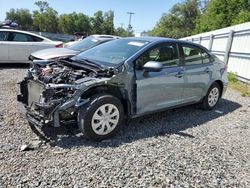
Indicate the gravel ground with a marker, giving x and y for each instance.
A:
(186, 147)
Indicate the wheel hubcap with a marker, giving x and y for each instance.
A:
(105, 119)
(213, 97)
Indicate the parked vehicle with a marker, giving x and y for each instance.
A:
(78, 36)
(127, 77)
(8, 24)
(17, 45)
(74, 49)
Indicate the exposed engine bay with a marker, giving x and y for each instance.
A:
(59, 73)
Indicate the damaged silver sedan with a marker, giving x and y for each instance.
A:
(119, 80)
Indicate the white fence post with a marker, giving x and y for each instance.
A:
(211, 42)
(199, 40)
(229, 45)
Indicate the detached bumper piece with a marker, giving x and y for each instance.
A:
(43, 114)
(23, 97)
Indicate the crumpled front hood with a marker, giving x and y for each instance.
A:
(52, 53)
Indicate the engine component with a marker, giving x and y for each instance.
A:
(59, 74)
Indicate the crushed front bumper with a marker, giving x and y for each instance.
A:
(37, 111)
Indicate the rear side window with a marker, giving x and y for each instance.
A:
(205, 57)
(3, 35)
(21, 37)
(36, 39)
(194, 55)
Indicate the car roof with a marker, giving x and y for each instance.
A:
(25, 32)
(152, 39)
(163, 39)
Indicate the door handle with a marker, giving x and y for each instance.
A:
(207, 70)
(179, 74)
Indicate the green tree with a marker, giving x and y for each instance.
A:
(103, 22)
(98, 22)
(180, 22)
(46, 19)
(43, 5)
(65, 23)
(120, 31)
(109, 22)
(23, 17)
(70, 23)
(219, 14)
(243, 16)
(82, 23)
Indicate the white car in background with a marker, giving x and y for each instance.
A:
(17, 45)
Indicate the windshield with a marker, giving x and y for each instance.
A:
(85, 44)
(114, 52)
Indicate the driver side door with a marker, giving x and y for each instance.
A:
(163, 89)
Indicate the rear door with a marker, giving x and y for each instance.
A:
(198, 71)
(159, 90)
(4, 46)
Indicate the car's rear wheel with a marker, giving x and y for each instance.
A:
(101, 118)
(212, 97)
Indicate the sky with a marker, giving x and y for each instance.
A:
(147, 12)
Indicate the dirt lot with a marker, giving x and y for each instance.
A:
(186, 147)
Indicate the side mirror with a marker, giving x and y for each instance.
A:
(153, 66)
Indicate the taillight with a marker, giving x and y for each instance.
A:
(59, 45)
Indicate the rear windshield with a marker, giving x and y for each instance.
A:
(85, 44)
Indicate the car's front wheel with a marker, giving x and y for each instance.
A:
(101, 118)
(212, 97)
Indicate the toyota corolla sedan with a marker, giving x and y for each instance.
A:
(124, 78)
(17, 45)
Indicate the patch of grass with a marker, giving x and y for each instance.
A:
(235, 84)
(232, 77)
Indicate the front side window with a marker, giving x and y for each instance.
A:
(166, 54)
(194, 55)
(3, 35)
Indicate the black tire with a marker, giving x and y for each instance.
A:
(86, 116)
(205, 104)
